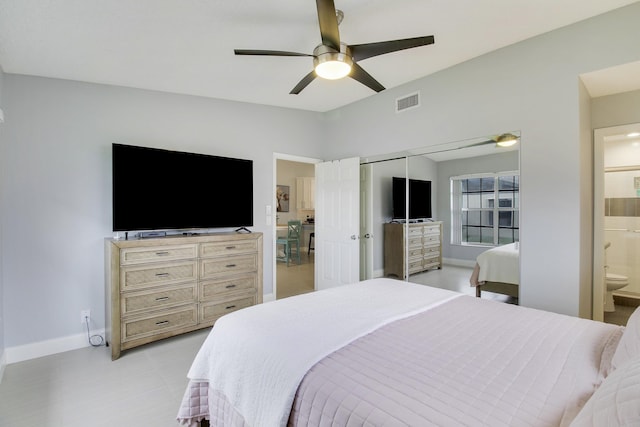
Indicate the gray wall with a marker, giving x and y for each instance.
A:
(533, 87)
(57, 210)
(481, 164)
(2, 186)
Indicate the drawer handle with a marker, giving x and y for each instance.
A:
(230, 286)
(231, 306)
(162, 298)
(230, 265)
(163, 253)
(230, 247)
(164, 322)
(162, 274)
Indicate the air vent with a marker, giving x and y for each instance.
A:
(408, 102)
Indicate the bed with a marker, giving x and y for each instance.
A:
(498, 270)
(388, 352)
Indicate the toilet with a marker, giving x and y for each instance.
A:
(614, 282)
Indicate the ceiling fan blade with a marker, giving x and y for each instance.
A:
(328, 24)
(267, 52)
(359, 74)
(303, 83)
(477, 144)
(368, 50)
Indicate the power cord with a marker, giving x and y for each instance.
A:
(94, 340)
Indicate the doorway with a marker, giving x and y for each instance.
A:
(294, 191)
(616, 275)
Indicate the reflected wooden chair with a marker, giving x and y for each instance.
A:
(294, 230)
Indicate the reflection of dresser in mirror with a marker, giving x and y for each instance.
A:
(424, 248)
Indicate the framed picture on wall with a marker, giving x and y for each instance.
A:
(282, 198)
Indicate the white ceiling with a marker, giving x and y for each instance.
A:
(186, 46)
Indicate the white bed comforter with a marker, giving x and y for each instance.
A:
(262, 388)
(500, 264)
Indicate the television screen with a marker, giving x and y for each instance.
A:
(156, 189)
(419, 198)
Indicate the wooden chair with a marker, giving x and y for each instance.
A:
(294, 229)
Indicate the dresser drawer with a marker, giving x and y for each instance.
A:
(216, 249)
(415, 253)
(147, 275)
(415, 231)
(164, 321)
(210, 290)
(415, 242)
(228, 265)
(432, 229)
(157, 253)
(415, 266)
(209, 312)
(154, 299)
(431, 239)
(431, 251)
(431, 263)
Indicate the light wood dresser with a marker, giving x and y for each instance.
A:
(424, 246)
(161, 287)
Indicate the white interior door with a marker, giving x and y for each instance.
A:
(337, 226)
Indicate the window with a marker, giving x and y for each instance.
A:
(476, 218)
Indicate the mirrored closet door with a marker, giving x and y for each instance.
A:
(407, 218)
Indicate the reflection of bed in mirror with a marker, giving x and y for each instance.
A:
(498, 270)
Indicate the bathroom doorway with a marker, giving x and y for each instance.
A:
(616, 284)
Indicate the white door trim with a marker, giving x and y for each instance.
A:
(598, 213)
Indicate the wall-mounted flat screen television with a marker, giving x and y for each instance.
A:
(155, 189)
(419, 199)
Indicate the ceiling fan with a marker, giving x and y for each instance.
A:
(334, 59)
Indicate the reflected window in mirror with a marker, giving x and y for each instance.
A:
(476, 218)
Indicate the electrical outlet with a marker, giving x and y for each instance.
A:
(85, 314)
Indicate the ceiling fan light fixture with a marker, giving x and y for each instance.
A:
(506, 140)
(330, 64)
(333, 70)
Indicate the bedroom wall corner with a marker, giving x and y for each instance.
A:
(586, 203)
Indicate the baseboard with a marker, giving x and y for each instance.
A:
(459, 262)
(3, 364)
(34, 350)
(268, 297)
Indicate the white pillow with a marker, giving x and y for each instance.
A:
(616, 402)
(629, 345)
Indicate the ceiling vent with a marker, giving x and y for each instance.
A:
(408, 102)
